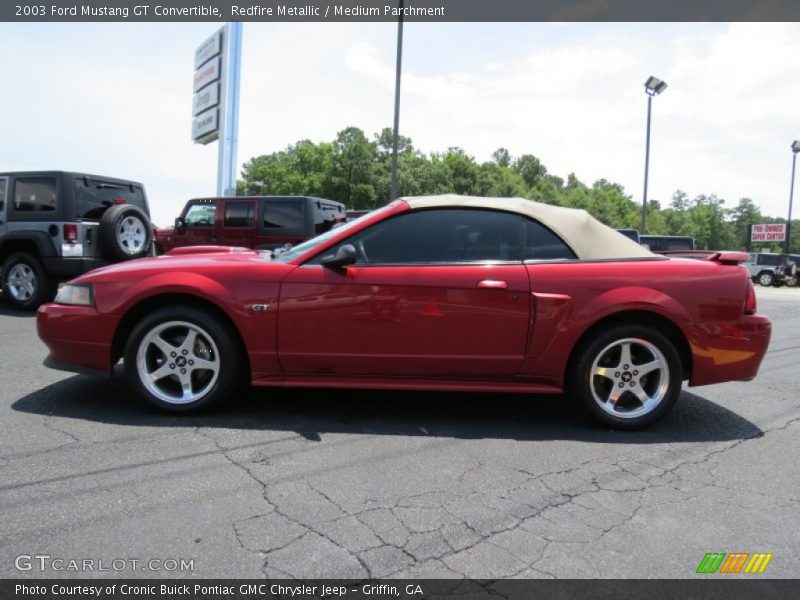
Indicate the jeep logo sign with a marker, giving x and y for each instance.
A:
(205, 99)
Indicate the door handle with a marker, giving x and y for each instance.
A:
(493, 284)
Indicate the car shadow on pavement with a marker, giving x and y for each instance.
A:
(5, 311)
(313, 413)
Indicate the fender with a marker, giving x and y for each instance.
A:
(560, 321)
(256, 329)
(44, 243)
(191, 284)
(634, 298)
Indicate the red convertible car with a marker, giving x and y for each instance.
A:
(434, 293)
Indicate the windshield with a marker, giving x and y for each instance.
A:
(93, 197)
(314, 242)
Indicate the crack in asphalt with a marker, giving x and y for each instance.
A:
(613, 475)
(423, 530)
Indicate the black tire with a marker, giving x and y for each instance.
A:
(14, 292)
(584, 387)
(111, 246)
(766, 278)
(231, 363)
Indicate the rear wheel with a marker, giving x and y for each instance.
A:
(182, 359)
(627, 376)
(766, 278)
(26, 286)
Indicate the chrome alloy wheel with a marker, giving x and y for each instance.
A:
(178, 362)
(131, 235)
(21, 282)
(629, 378)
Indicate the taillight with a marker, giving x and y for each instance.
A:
(119, 200)
(750, 303)
(70, 233)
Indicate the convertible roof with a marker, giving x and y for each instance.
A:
(588, 237)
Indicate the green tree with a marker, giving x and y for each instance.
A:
(501, 157)
(354, 168)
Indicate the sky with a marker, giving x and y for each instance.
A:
(115, 99)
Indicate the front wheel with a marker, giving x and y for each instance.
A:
(627, 376)
(26, 286)
(766, 279)
(182, 359)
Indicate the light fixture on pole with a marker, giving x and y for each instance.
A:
(652, 87)
(795, 149)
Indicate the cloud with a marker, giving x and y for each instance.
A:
(115, 99)
(723, 126)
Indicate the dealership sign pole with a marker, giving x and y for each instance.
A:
(215, 106)
(795, 149)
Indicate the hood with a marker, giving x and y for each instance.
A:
(163, 231)
(194, 259)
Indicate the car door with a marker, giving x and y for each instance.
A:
(433, 293)
(238, 227)
(200, 225)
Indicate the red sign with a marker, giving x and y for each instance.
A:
(768, 232)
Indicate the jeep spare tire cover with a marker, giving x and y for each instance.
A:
(125, 233)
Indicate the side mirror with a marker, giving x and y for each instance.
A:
(345, 255)
(180, 225)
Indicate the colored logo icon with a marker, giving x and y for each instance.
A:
(735, 562)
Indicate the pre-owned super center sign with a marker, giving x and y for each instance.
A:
(768, 232)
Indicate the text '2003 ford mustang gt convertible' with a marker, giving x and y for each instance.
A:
(435, 293)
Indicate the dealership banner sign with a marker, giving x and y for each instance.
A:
(768, 232)
(391, 10)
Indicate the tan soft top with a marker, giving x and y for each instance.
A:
(588, 237)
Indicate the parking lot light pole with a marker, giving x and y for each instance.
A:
(396, 130)
(795, 150)
(652, 87)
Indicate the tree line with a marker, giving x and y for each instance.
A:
(356, 171)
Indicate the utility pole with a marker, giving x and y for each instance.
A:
(396, 131)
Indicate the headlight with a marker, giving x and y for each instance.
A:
(76, 294)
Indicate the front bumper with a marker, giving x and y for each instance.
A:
(729, 351)
(78, 337)
(67, 268)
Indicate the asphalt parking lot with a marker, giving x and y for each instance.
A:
(355, 484)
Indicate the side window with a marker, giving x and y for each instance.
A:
(326, 216)
(2, 194)
(282, 214)
(239, 214)
(35, 194)
(201, 215)
(543, 244)
(93, 197)
(442, 236)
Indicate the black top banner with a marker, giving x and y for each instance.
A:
(410, 10)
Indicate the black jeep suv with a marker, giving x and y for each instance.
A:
(56, 225)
